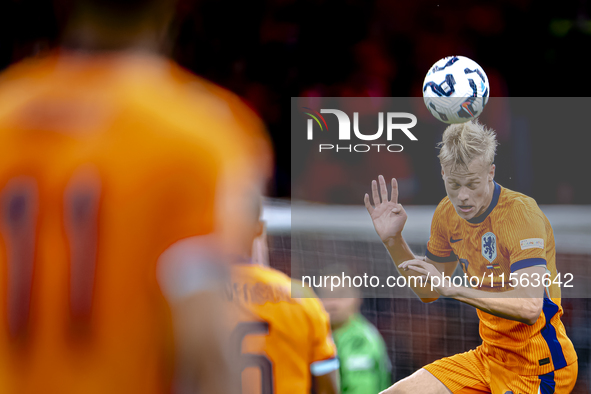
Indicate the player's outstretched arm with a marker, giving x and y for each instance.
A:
(389, 218)
(203, 362)
(192, 280)
(523, 304)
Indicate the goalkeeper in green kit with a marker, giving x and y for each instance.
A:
(365, 367)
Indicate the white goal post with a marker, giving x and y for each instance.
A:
(571, 223)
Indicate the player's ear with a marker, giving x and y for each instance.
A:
(442, 172)
(491, 173)
(260, 227)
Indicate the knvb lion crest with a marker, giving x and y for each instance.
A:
(489, 246)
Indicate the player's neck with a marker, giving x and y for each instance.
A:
(489, 199)
(86, 35)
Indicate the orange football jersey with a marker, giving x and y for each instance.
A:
(106, 161)
(277, 339)
(511, 235)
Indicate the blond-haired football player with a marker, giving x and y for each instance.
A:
(488, 229)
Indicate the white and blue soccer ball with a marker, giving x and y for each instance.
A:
(456, 89)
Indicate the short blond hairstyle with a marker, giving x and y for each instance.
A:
(464, 142)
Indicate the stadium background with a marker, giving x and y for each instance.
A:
(269, 51)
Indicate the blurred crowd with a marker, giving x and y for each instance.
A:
(269, 51)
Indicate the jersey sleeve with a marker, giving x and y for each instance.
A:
(438, 247)
(323, 350)
(525, 237)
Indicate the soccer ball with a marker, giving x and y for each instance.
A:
(456, 89)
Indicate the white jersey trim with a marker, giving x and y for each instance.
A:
(323, 367)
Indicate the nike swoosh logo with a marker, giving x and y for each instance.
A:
(453, 241)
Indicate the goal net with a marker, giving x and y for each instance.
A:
(308, 238)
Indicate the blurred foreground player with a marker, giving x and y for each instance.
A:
(283, 344)
(114, 160)
(492, 232)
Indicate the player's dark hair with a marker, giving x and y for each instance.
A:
(120, 12)
(121, 5)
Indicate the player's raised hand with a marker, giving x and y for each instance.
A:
(387, 215)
